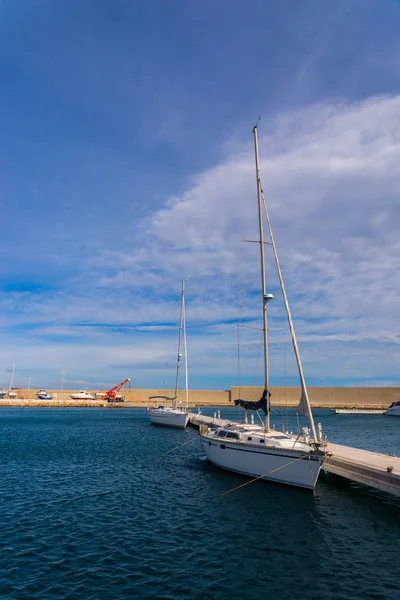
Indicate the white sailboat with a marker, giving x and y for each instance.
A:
(12, 393)
(173, 416)
(262, 452)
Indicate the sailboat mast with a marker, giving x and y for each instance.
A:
(186, 360)
(178, 363)
(304, 393)
(12, 377)
(263, 277)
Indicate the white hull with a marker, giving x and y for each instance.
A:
(393, 412)
(81, 397)
(170, 418)
(272, 463)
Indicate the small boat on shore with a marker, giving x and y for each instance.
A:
(43, 395)
(82, 395)
(3, 394)
(103, 395)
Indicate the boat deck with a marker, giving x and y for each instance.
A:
(379, 471)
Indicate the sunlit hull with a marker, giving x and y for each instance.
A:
(393, 412)
(169, 417)
(282, 466)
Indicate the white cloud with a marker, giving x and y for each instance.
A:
(330, 175)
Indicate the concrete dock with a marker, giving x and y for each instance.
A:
(359, 411)
(379, 471)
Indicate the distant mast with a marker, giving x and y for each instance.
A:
(12, 377)
(186, 359)
(178, 364)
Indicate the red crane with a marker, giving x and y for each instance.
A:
(111, 395)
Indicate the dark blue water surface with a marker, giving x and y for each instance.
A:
(88, 510)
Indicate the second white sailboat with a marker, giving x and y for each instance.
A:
(174, 416)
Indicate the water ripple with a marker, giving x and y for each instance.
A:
(87, 511)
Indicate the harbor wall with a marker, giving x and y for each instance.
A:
(320, 397)
(324, 397)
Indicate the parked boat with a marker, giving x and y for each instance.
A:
(394, 409)
(262, 452)
(101, 395)
(82, 395)
(170, 416)
(43, 395)
(173, 416)
(3, 394)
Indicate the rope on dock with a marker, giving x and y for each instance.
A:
(261, 476)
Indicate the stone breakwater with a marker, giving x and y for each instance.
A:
(320, 397)
(55, 402)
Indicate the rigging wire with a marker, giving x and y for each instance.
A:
(241, 293)
(175, 448)
(238, 359)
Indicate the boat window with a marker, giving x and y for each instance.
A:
(278, 437)
(221, 433)
(397, 403)
(261, 441)
(249, 438)
(230, 434)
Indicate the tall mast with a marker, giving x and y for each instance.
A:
(263, 278)
(186, 359)
(304, 400)
(178, 363)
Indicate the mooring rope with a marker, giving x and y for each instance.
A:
(176, 448)
(261, 476)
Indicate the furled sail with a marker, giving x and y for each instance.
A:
(262, 403)
(302, 408)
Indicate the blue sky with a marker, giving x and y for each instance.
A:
(127, 164)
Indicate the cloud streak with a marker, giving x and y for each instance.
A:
(330, 175)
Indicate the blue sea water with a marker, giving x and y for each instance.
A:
(92, 508)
